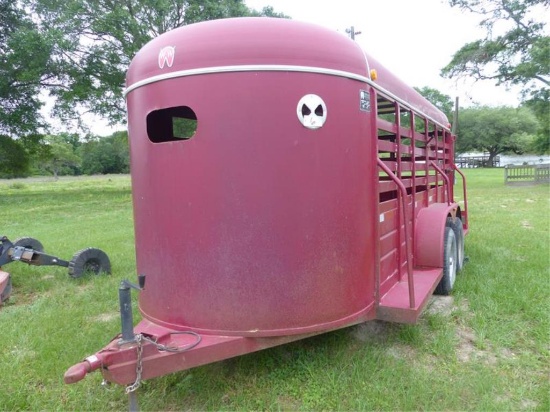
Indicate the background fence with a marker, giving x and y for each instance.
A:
(527, 174)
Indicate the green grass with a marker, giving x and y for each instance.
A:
(488, 351)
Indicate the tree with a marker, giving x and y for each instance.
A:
(495, 130)
(14, 161)
(442, 101)
(518, 56)
(106, 155)
(58, 155)
(540, 105)
(25, 67)
(96, 40)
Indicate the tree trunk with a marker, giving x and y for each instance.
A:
(491, 160)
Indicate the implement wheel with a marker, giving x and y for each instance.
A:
(29, 243)
(89, 260)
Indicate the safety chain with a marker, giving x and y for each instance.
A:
(162, 348)
(139, 365)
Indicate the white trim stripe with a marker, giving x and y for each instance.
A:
(243, 68)
(275, 68)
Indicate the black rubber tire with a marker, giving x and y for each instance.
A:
(449, 263)
(458, 229)
(89, 260)
(29, 243)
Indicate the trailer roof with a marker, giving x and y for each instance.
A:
(266, 44)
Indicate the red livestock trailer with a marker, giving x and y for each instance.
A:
(285, 184)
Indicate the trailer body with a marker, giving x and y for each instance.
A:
(290, 185)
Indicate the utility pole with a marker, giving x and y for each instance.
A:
(352, 33)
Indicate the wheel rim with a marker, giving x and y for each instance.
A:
(452, 270)
(452, 262)
(93, 265)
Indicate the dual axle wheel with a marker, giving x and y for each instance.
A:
(453, 255)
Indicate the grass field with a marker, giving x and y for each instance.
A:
(484, 348)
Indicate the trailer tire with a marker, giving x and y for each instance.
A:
(89, 260)
(29, 243)
(458, 229)
(447, 282)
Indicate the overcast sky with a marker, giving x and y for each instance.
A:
(414, 39)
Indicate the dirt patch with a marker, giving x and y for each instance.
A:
(528, 404)
(466, 350)
(20, 354)
(448, 306)
(441, 305)
(399, 351)
(105, 317)
(525, 224)
(373, 331)
(470, 349)
(287, 403)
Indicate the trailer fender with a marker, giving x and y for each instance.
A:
(429, 233)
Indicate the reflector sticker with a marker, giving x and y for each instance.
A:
(312, 111)
(364, 101)
(166, 56)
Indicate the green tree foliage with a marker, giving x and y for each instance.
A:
(14, 161)
(96, 40)
(496, 130)
(25, 67)
(440, 100)
(58, 156)
(515, 50)
(540, 105)
(106, 155)
(518, 56)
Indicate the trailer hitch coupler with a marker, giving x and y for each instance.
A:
(78, 372)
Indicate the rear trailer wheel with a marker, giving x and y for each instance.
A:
(458, 229)
(449, 263)
(90, 260)
(29, 243)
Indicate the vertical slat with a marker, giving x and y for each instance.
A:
(403, 190)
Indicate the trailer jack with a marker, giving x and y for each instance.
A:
(30, 251)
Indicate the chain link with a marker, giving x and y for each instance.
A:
(139, 365)
(163, 348)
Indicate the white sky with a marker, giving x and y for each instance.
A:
(414, 39)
